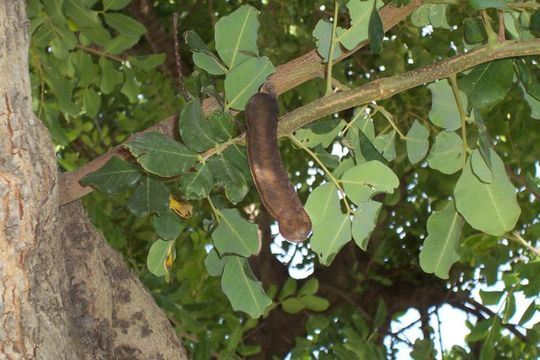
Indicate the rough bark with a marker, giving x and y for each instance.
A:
(64, 293)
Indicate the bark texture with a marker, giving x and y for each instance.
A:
(64, 293)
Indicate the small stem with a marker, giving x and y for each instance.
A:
(331, 53)
(359, 113)
(491, 35)
(462, 115)
(502, 35)
(520, 240)
(100, 53)
(390, 119)
(325, 169)
(338, 85)
(220, 148)
(215, 210)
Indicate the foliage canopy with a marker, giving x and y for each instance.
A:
(432, 191)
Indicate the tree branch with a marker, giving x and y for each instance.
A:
(286, 77)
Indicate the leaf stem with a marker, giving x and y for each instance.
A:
(218, 149)
(100, 53)
(520, 240)
(462, 115)
(331, 52)
(325, 169)
(390, 119)
(215, 210)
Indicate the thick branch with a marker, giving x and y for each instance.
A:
(386, 87)
(286, 77)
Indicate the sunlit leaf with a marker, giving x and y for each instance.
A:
(244, 291)
(235, 235)
(417, 142)
(491, 208)
(368, 179)
(236, 36)
(439, 251)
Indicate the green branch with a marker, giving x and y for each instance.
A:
(331, 52)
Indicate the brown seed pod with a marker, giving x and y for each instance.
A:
(269, 175)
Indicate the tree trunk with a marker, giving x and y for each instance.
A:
(64, 293)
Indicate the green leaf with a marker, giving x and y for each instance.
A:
(314, 303)
(322, 203)
(310, 287)
(79, 13)
(130, 87)
(359, 12)
(120, 44)
(288, 289)
(437, 16)
(194, 128)
(423, 349)
(324, 211)
(486, 4)
(480, 331)
(491, 208)
(168, 226)
(329, 236)
(473, 30)
(91, 102)
(292, 306)
(491, 297)
(198, 184)
(417, 142)
(439, 251)
(488, 84)
(158, 256)
(236, 36)
(484, 141)
(529, 313)
(115, 4)
(221, 125)
(115, 176)
(161, 155)
(380, 314)
(446, 153)
(195, 43)
(444, 109)
(209, 63)
(509, 307)
(323, 35)
(235, 235)
(151, 196)
(375, 31)
(533, 104)
(147, 63)
(111, 77)
(528, 78)
(364, 222)
(124, 25)
(480, 168)
(245, 79)
(97, 34)
(322, 133)
(214, 264)
(386, 144)
(368, 179)
(228, 176)
(242, 288)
